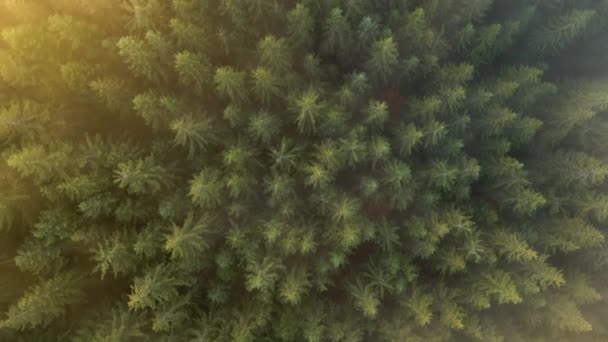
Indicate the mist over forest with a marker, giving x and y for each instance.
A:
(304, 170)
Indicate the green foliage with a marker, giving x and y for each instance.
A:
(193, 70)
(285, 157)
(264, 126)
(195, 134)
(206, 188)
(580, 103)
(513, 247)
(274, 53)
(578, 169)
(44, 303)
(309, 110)
(336, 31)
(384, 59)
(139, 57)
(112, 92)
(38, 259)
(189, 35)
(170, 316)
(294, 286)
(265, 170)
(186, 242)
(114, 254)
(452, 316)
(300, 27)
(420, 306)
(140, 176)
(116, 324)
(377, 114)
(407, 137)
(265, 84)
(230, 83)
(148, 106)
(562, 29)
(500, 286)
(23, 121)
(157, 286)
(262, 275)
(571, 234)
(566, 317)
(366, 299)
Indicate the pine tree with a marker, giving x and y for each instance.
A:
(44, 302)
(562, 29)
(253, 170)
(186, 243)
(262, 275)
(194, 133)
(274, 53)
(336, 31)
(264, 126)
(115, 324)
(205, 188)
(384, 59)
(114, 255)
(230, 83)
(265, 84)
(141, 176)
(157, 286)
(366, 299)
(309, 109)
(300, 27)
(513, 247)
(294, 286)
(193, 70)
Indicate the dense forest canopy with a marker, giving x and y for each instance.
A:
(303, 170)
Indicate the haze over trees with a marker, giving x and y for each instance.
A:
(313, 170)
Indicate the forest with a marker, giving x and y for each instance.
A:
(304, 170)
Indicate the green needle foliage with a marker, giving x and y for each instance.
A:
(43, 303)
(303, 170)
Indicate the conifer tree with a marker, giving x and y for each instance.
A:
(43, 303)
(261, 170)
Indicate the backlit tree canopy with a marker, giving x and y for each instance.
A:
(303, 170)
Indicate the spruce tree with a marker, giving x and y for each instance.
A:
(303, 170)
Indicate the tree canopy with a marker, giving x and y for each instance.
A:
(303, 170)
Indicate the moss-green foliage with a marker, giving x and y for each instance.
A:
(312, 170)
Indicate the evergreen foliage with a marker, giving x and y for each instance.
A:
(303, 170)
